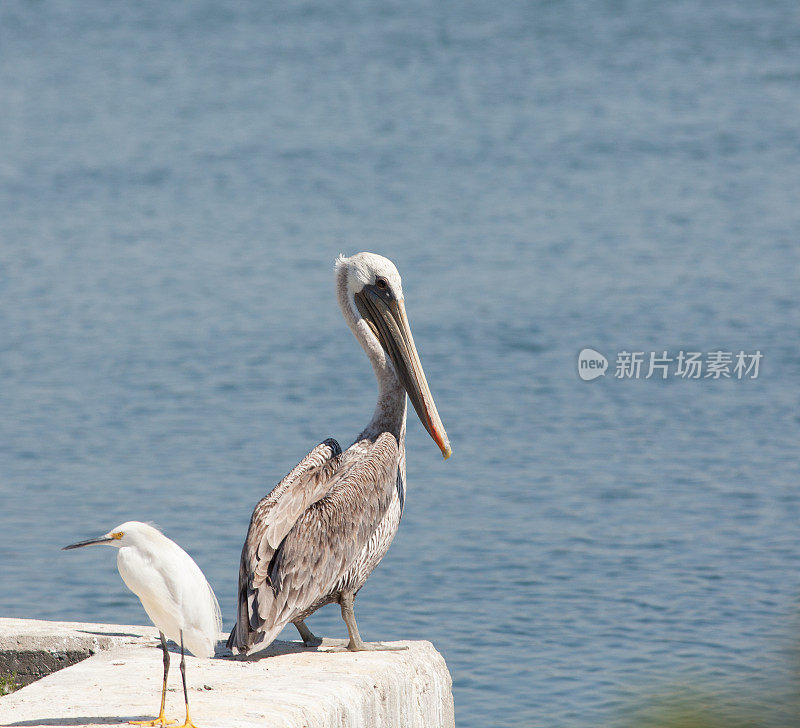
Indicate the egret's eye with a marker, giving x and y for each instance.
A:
(382, 283)
(117, 535)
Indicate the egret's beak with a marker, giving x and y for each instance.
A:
(386, 317)
(89, 542)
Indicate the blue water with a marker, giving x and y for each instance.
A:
(175, 182)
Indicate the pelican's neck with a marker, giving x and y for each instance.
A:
(390, 409)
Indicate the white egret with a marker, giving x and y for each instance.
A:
(173, 592)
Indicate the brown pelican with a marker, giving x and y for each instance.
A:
(319, 534)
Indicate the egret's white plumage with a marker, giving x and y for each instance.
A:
(170, 585)
(173, 592)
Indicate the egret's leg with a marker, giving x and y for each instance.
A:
(161, 720)
(308, 637)
(188, 722)
(356, 644)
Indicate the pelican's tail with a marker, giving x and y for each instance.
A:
(244, 641)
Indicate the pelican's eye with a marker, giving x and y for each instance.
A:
(117, 535)
(381, 283)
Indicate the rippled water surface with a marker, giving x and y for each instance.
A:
(175, 182)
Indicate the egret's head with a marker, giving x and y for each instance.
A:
(374, 294)
(126, 534)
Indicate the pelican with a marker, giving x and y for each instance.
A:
(317, 536)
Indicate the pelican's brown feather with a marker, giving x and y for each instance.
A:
(272, 515)
(278, 586)
(330, 534)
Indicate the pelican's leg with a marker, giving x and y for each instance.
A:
(161, 720)
(356, 644)
(308, 637)
(188, 722)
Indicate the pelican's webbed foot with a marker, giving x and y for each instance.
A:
(362, 646)
(308, 637)
(356, 644)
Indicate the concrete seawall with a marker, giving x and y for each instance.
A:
(101, 674)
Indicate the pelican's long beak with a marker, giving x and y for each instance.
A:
(388, 321)
(89, 542)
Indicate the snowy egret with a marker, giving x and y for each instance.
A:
(173, 592)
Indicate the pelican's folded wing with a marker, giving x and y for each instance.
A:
(328, 537)
(272, 519)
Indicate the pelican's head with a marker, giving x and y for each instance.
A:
(131, 533)
(374, 294)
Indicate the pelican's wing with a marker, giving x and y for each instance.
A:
(326, 539)
(272, 519)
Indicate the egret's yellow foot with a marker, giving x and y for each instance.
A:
(188, 722)
(161, 721)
